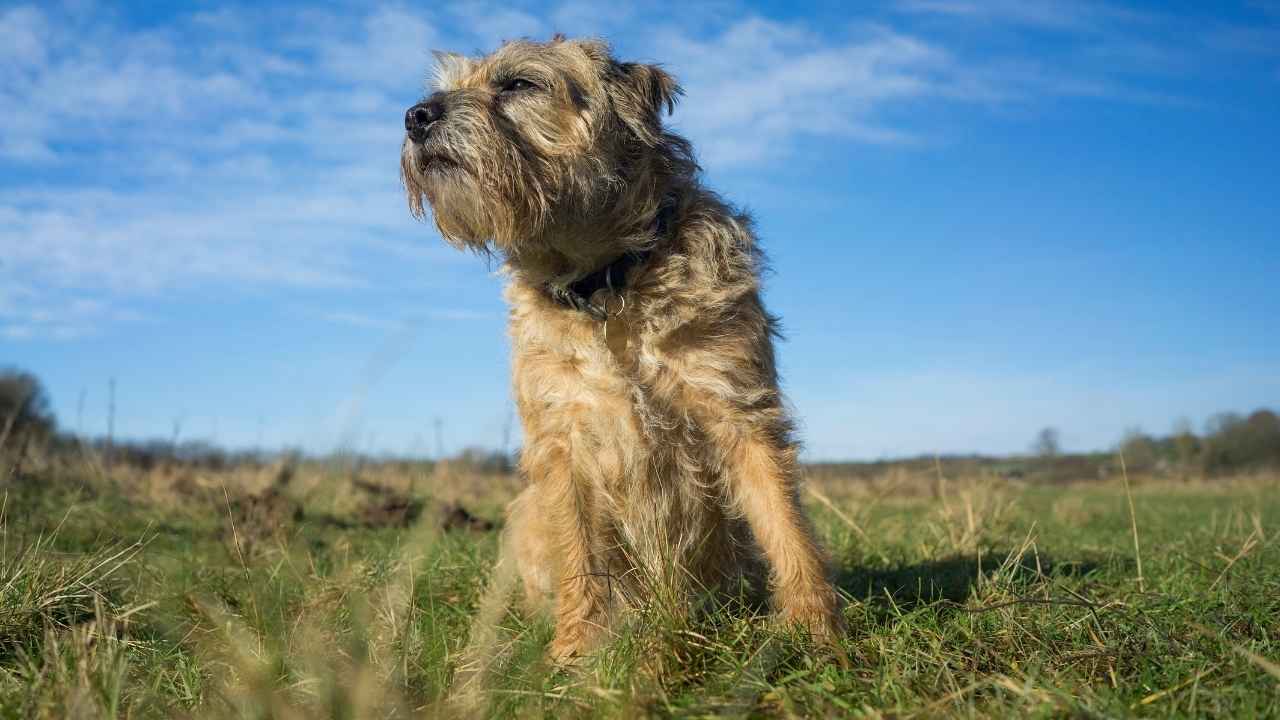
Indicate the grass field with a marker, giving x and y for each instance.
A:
(302, 593)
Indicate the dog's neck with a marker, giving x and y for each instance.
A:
(612, 276)
(577, 295)
(571, 279)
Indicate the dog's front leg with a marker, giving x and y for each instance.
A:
(761, 476)
(566, 503)
(759, 470)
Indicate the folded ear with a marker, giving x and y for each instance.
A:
(450, 68)
(640, 92)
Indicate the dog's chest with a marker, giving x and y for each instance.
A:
(597, 382)
(573, 373)
(640, 457)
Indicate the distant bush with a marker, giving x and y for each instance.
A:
(1047, 444)
(147, 454)
(485, 461)
(24, 408)
(1233, 443)
(1230, 443)
(1141, 451)
(1186, 445)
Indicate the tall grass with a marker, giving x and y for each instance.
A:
(61, 650)
(969, 596)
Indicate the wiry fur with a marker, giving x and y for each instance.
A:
(658, 450)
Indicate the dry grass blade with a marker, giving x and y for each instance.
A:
(1266, 665)
(1023, 601)
(932, 708)
(844, 517)
(1133, 523)
(1169, 691)
(1250, 543)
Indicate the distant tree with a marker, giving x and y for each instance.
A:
(1186, 446)
(1139, 449)
(24, 407)
(1265, 423)
(1261, 439)
(485, 460)
(1233, 442)
(1047, 443)
(1221, 423)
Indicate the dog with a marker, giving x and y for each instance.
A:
(658, 450)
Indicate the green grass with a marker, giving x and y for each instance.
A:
(968, 598)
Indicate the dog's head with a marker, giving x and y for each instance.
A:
(538, 139)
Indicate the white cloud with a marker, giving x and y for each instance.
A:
(364, 321)
(391, 51)
(22, 32)
(389, 322)
(186, 158)
(760, 84)
(489, 24)
(584, 17)
(27, 313)
(255, 147)
(1073, 15)
(129, 244)
(174, 159)
(110, 87)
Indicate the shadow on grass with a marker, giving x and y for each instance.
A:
(950, 579)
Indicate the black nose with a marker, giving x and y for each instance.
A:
(419, 118)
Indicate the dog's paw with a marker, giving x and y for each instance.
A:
(816, 614)
(569, 656)
(571, 644)
(563, 654)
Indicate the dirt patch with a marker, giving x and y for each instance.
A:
(453, 516)
(255, 517)
(391, 510)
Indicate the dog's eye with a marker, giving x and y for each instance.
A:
(518, 85)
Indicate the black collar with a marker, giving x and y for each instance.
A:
(613, 276)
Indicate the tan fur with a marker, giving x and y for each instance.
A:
(661, 456)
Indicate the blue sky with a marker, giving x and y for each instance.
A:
(984, 216)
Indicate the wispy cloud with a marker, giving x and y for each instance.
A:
(1067, 15)
(1255, 40)
(256, 147)
(759, 85)
(195, 155)
(27, 313)
(387, 322)
(363, 320)
(210, 153)
(1089, 49)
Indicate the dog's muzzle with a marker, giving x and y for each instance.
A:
(419, 119)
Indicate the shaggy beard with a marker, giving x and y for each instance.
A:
(564, 219)
(456, 199)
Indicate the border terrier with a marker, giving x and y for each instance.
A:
(658, 450)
